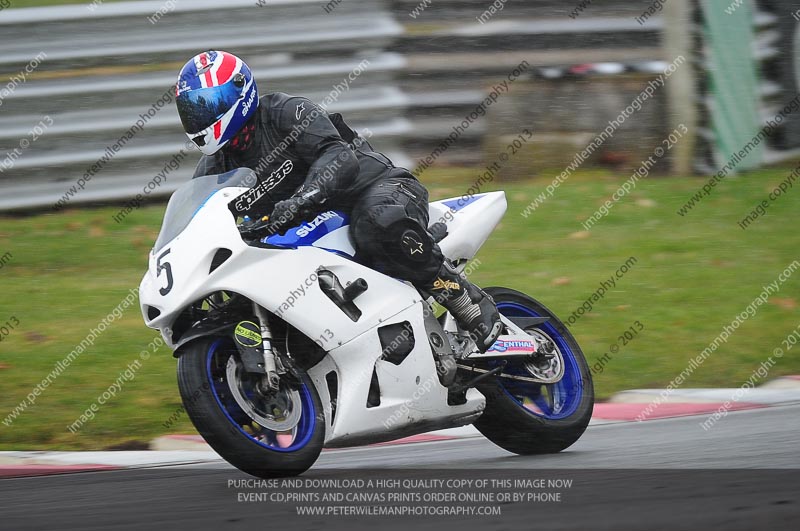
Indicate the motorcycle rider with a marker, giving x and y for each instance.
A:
(308, 161)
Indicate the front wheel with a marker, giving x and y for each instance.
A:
(272, 435)
(531, 418)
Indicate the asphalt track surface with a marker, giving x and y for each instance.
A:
(660, 474)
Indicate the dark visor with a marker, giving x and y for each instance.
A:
(200, 108)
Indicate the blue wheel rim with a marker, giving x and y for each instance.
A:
(271, 440)
(554, 401)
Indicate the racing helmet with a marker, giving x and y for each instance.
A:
(216, 95)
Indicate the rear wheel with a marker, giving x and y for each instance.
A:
(532, 418)
(266, 435)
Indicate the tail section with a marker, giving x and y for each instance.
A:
(469, 220)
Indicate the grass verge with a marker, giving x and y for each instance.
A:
(692, 276)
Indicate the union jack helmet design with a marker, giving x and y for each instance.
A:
(216, 95)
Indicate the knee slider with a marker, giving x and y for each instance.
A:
(415, 244)
(404, 243)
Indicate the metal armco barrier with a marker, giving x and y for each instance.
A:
(101, 69)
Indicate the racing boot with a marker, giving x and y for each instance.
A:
(472, 307)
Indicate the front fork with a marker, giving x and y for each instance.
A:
(272, 380)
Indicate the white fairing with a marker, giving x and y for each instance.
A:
(284, 282)
(338, 240)
(468, 226)
(412, 399)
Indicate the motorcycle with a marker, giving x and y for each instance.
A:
(287, 344)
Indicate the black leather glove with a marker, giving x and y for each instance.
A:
(293, 211)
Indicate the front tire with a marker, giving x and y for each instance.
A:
(277, 436)
(528, 418)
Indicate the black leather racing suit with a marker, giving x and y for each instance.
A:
(296, 145)
(298, 150)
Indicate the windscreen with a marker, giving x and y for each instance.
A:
(190, 198)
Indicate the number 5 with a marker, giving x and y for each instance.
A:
(161, 267)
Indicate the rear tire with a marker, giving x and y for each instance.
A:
(512, 419)
(234, 434)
